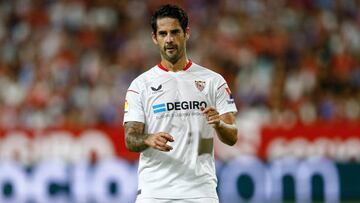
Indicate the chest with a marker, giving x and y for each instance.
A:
(178, 93)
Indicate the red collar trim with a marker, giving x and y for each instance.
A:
(184, 69)
(188, 65)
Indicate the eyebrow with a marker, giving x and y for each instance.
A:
(162, 32)
(176, 30)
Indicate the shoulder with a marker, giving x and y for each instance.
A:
(142, 80)
(204, 72)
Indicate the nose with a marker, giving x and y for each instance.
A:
(169, 38)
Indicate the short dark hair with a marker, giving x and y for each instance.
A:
(170, 11)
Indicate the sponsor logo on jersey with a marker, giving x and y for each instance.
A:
(156, 89)
(158, 108)
(231, 98)
(183, 105)
(200, 85)
(126, 106)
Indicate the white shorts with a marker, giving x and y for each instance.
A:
(192, 200)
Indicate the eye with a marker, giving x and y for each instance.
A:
(174, 32)
(162, 33)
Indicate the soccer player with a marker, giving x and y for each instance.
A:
(172, 112)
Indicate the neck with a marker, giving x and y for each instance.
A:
(178, 66)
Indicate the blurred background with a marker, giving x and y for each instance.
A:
(293, 67)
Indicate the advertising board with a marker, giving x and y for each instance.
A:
(301, 164)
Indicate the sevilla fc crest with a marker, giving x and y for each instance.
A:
(200, 85)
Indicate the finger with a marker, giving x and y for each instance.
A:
(168, 147)
(214, 117)
(213, 121)
(159, 143)
(208, 109)
(205, 110)
(164, 149)
(167, 136)
(161, 139)
(212, 113)
(162, 146)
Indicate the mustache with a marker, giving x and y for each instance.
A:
(170, 46)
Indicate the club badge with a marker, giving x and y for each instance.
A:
(126, 106)
(200, 85)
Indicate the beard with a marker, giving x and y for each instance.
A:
(172, 57)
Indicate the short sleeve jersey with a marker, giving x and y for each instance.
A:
(170, 102)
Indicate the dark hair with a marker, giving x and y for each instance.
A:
(171, 11)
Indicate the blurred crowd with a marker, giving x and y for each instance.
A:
(70, 62)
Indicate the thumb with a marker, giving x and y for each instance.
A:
(202, 108)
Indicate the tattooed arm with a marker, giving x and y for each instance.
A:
(134, 136)
(137, 141)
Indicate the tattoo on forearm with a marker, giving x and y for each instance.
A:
(134, 136)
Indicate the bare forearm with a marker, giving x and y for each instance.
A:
(135, 137)
(135, 143)
(227, 133)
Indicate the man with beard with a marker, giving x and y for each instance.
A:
(172, 113)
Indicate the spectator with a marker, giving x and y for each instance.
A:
(68, 62)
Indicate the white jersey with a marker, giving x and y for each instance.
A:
(170, 102)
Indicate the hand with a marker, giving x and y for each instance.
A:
(212, 116)
(158, 141)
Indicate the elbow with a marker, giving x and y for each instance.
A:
(130, 148)
(233, 141)
(230, 138)
(127, 146)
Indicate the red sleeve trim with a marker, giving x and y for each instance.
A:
(221, 86)
(133, 91)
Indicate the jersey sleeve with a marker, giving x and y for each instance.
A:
(224, 100)
(134, 110)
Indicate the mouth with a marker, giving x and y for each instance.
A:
(170, 48)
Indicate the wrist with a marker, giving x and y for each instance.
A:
(146, 140)
(219, 125)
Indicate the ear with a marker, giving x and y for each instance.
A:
(187, 33)
(153, 36)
